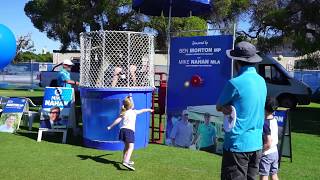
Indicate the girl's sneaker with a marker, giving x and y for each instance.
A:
(129, 166)
(130, 162)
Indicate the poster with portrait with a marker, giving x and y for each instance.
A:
(284, 133)
(57, 108)
(199, 69)
(12, 113)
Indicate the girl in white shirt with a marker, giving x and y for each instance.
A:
(127, 120)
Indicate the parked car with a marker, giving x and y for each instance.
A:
(288, 91)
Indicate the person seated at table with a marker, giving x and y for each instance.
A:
(54, 120)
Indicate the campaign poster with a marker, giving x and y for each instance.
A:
(12, 113)
(284, 134)
(57, 108)
(199, 69)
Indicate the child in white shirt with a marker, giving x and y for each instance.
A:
(127, 120)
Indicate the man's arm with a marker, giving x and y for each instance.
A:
(72, 82)
(173, 135)
(66, 79)
(228, 94)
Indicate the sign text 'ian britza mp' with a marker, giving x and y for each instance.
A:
(199, 69)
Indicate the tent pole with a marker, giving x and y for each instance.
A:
(169, 28)
(168, 54)
(233, 43)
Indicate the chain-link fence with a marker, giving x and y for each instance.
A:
(116, 59)
(24, 75)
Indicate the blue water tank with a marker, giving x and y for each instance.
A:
(101, 106)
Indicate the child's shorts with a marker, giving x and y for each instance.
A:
(269, 164)
(126, 135)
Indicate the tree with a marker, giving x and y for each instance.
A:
(64, 20)
(227, 12)
(24, 43)
(29, 55)
(180, 27)
(47, 57)
(279, 22)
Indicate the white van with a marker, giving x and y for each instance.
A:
(288, 91)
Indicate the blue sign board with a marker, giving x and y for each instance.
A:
(15, 105)
(11, 115)
(284, 133)
(199, 69)
(57, 96)
(281, 117)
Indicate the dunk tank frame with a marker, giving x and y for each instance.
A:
(113, 65)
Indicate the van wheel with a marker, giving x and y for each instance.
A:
(288, 101)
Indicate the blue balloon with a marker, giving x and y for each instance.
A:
(7, 46)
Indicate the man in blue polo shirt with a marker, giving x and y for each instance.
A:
(63, 79)
(247, 93)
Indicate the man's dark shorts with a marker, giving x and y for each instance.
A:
(240, 165)
(126, 135)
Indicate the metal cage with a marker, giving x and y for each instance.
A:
(112, 59)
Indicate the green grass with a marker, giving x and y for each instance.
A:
(305, 127)
(306, 119)
(20, 93)
(306, 158)
(23, 158)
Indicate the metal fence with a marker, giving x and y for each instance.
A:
(116, 59)
(22, 75)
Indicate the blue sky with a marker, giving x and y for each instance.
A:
(12, 15)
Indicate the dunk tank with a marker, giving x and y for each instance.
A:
(115, 64)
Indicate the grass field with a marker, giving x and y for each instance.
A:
(20, 93)
(23, 158)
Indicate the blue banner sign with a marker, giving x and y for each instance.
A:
(281, 116)
(284, 133)
(57, 96)
(199, 69)
(12, 114)
(15, 105)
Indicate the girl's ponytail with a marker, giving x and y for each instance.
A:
(123, 110)
(127, 104)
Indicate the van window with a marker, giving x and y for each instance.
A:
(272, 74)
